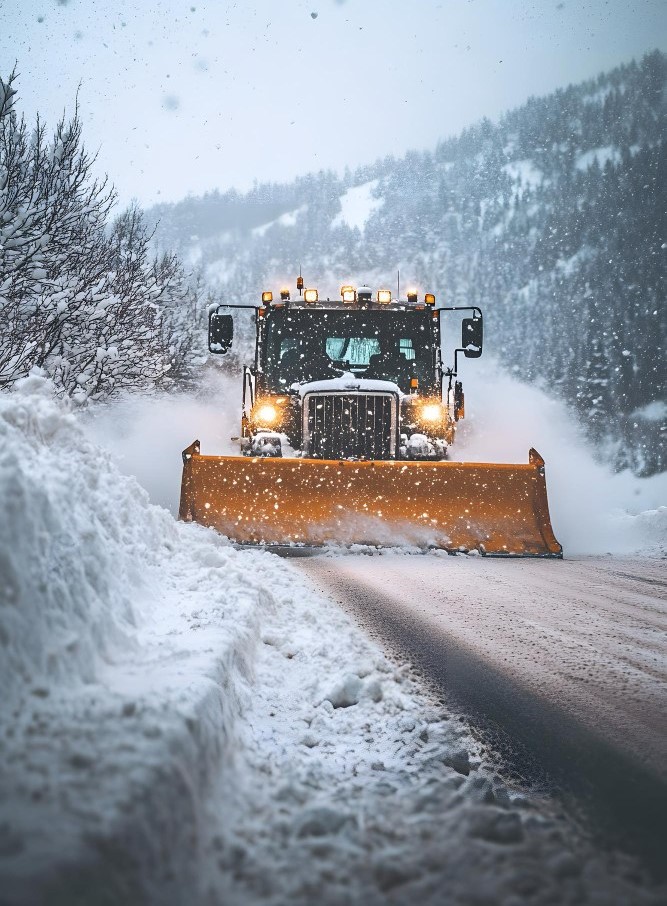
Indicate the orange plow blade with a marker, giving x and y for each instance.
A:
(497, 509)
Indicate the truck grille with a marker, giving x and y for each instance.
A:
(350, 426)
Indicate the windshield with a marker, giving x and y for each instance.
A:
(303, 345)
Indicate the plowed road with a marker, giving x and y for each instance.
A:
(562, 663)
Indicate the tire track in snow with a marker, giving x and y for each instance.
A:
(512, 645)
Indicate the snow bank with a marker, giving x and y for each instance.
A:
(593, 510)
(73, 554)
(126, 646)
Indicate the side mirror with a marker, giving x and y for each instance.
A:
(220, 333)
(472, 334)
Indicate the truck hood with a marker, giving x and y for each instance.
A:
(348, 382)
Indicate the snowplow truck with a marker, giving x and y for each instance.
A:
(347, 417)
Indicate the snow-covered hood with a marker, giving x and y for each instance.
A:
(349, 381)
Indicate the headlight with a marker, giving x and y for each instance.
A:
(266, 415)
(431, 412)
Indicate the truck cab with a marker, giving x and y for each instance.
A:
(356, 378)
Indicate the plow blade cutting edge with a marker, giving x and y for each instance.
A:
(498, 509)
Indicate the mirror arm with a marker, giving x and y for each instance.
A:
(475, 309)
(477, 313)
(219, 309)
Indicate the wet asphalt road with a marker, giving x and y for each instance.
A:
(561, 665)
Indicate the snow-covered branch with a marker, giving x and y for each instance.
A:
(86, 303)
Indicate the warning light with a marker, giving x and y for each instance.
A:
(429, 299)
(384, 296)
(267, 297)
(284, 295)
(310, 295)
(348, 294)
(412, 296)
(299, 283)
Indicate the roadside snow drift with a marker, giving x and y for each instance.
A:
(126, 643)
(74, 547)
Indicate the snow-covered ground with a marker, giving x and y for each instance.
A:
(524, 172)
(185, 722)
(354, 785)
(287, 219)
(601, 155)
(357, 205)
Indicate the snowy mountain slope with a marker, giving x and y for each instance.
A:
(551, 219)
(357, 206)
(184, 722)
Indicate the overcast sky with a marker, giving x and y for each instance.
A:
(182, 97)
